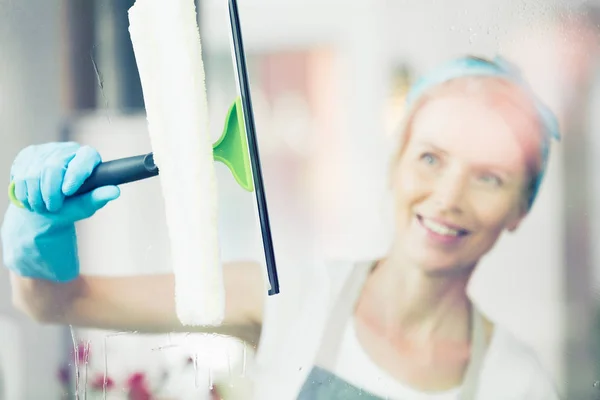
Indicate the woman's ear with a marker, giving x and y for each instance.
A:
(521, 212)
(516, 222)
(514, 225)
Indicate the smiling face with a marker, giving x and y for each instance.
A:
(463, 174)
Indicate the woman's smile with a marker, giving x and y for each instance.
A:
(438, 232)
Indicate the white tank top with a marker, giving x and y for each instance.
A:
(354, 365)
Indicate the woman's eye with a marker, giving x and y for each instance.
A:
(491, 180)
(429, 158)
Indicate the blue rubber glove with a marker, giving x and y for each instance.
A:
(39, 241)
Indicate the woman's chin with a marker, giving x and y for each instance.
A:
(439, 264)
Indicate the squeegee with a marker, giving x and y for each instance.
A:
(168, 52)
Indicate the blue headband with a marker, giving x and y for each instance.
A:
(498, 68)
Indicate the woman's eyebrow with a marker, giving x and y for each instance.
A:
(426, 143)
(502, 170)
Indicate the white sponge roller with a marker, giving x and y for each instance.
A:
(168, 52)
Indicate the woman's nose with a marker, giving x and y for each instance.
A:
(450, 192)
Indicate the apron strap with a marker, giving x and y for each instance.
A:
(478, 350)
(344, 307)
(340, 313)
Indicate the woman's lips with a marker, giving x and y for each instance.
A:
(442, 232)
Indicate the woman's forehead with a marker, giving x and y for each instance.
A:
(476, 131)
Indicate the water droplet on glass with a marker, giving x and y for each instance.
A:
(244, 361)
(75, 350)
(196, 383)
(229, 362)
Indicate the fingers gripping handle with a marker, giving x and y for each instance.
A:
(115, 172)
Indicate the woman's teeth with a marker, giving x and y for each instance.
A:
(438, 228)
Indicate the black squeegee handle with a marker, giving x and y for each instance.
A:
(244, 89)
(120, 171)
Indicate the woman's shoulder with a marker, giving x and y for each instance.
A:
(322, 277)
(327, 272)
(307, 291)
(505, 344)
(303, 287)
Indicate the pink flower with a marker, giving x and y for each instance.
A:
(139, 394)
(136, 379)
(214, 394)
(100, 381)
(138, 387)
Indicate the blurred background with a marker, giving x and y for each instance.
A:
(328, 81)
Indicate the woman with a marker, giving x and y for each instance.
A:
(472, 153)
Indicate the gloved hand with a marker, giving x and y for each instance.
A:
(39, 241)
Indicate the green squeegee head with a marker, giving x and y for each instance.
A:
(232, 148)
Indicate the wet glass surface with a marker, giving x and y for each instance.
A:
(329, 82)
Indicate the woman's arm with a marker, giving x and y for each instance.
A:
(145, 303)
(39, 247)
